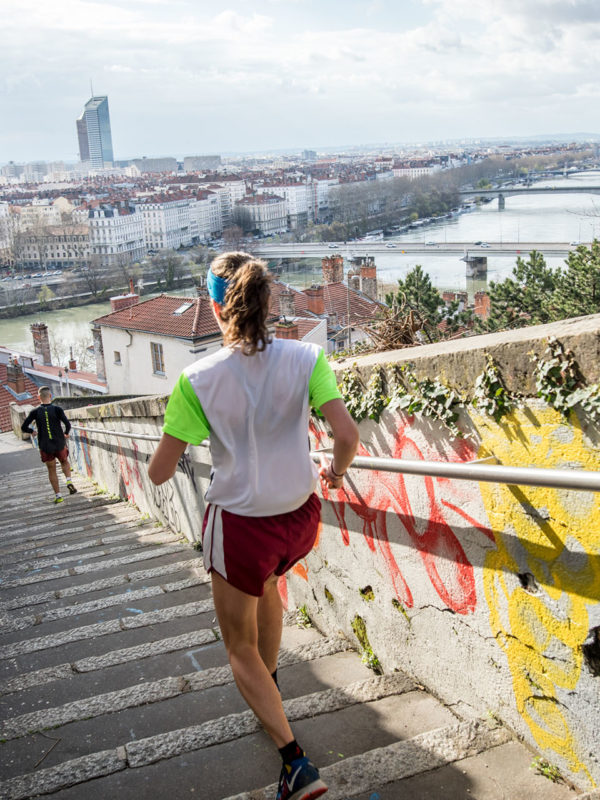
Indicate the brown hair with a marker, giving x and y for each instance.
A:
(246, 305)
(45, 390)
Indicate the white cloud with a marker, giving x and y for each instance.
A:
(477, 63)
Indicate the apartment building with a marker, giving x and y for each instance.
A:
(205, 216)
(62, 246)
(265, 213)
(116, 234)
(229, 191)
(296, 198)
(167, 222)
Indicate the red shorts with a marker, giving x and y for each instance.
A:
(248, 550)
(62, 455)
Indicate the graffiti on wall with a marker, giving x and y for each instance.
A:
(552, 538)
(129, 472)
(82, 453)
(430, 514)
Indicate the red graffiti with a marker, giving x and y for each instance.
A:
(129, 470)
(283, 592)
(444, 559)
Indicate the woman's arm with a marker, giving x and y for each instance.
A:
(164, 461)
(345, 442)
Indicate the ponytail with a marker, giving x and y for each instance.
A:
(246, 304)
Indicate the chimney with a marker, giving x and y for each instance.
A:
(368, 277)
(333, 269)
(15, 377)
(448, 297)
(286, 330)
(99, 352)
(316, 302)
(286, 303)
(354, 282)
(463, 299)
(482, 304)
(122, 301)
(41, 342)
(131, 289)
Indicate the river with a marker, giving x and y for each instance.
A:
(530, 218)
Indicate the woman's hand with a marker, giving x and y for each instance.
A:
(327, 475)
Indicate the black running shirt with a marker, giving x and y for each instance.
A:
(48, 419)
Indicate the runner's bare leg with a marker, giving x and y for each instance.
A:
(52, 476)
(237, 615)
(270, 623)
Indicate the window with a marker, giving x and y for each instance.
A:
(158, 362)
(117, 357)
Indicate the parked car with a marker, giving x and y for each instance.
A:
(574, 244)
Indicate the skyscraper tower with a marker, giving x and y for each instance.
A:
(93, 132)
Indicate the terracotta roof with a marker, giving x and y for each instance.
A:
(335, 300)
(305, 326)
(157, 316)
(6, 398)
(74, 375)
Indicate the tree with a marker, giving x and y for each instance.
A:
(417, 294)
(438, 319)
(168, 266)
(45, 294)
(94, 275)
(526, 298)
(233, 238)
(578, 286)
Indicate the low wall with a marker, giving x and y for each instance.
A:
(487, 594)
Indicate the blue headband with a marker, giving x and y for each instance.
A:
(216, 287)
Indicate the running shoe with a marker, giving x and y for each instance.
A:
(58, 500)
(300, 780)
(71, 488)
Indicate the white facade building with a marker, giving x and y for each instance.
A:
(205, 216)
(167, 223)
(116, 235)
(229, 192)
(264, 212)
(5, 239)
(63, 246)
(296, 199)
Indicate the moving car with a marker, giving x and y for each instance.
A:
(333, 246)
(484, 244)
(390, 245)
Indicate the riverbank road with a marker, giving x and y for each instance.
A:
(114, 681)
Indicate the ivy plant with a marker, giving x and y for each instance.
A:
(490, 394)
(353, 391)
(560, 384)
(376, 397)
(429, 398)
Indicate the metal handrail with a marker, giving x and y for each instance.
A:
(579, 480)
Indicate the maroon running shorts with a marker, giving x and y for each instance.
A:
(248, 550)
(62, 455)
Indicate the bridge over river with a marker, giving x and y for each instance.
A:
(475, 256)
(509, 191)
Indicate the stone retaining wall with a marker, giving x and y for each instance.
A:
(487, 594)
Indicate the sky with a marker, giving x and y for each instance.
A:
(188, 77)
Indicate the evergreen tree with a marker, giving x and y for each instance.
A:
(578, 286)
(417, 294)
(526, 298)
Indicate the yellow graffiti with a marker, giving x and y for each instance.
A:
(555, 536)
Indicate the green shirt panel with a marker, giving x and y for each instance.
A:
(322, 386)
(184, 417)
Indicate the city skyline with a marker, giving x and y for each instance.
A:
(293, 75)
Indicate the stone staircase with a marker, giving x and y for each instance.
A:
(114, 681)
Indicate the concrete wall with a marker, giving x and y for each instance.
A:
(487, 594)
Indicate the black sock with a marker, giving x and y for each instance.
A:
(274, 676)
(290, 752)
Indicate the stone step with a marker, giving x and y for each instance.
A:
(114, 681)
